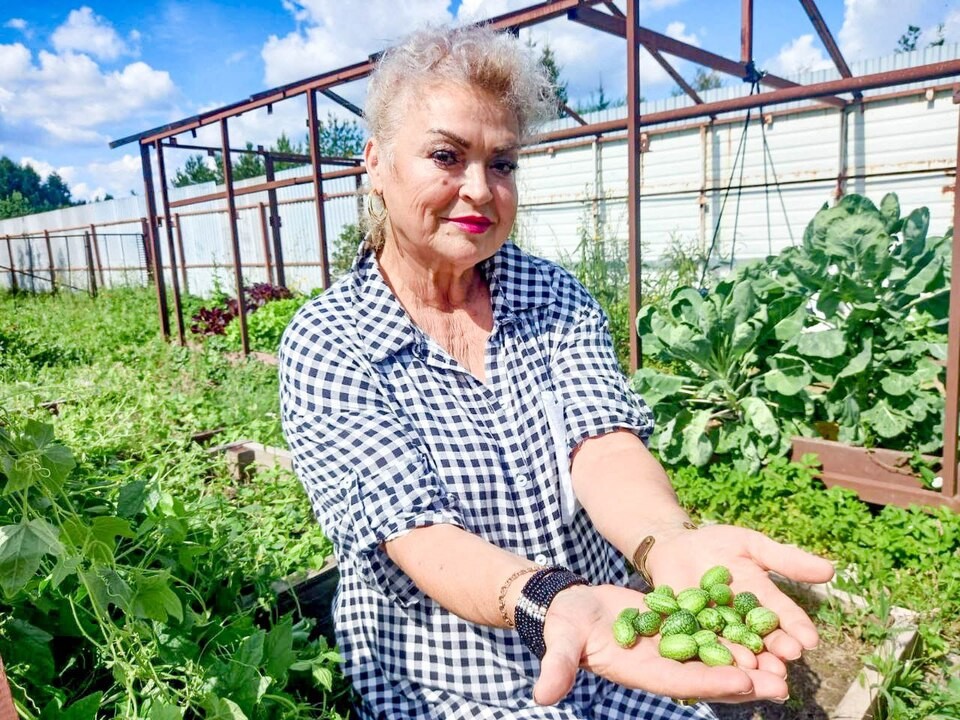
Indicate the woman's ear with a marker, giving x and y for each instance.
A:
(371, 159)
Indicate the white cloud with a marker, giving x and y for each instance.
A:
(797, 56)
(88, 33)
(95, 179)
(16, 24)
(68, 96)
(333, 38)
(871, 28)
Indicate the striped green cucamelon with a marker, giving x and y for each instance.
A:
(715, 575)
(624, 633)
(648, 623)
(715, 654)
(693, 599)
(762, 621)
(744, 602)
(682, 622)
(678, 647)
(661, 603)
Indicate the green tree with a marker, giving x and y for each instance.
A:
(248, 165)
(194, 172)
(908, 41)
(23, 192)
(285, 145)
(701, 81)
(340, 138)
(14, 205)
(344, 250)
(598, 100)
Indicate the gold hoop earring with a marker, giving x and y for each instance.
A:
(375, 207)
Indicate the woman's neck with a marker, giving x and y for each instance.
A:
(441, 288)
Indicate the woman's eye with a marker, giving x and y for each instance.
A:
(504, 167)
(444, 157)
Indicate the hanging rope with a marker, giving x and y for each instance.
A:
(776, 182)
(755, 88)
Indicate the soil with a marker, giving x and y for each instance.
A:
(817, 681)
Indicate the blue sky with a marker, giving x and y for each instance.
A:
(76, 75)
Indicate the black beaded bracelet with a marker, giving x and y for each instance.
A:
(535, 598)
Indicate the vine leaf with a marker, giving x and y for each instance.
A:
(21, 548)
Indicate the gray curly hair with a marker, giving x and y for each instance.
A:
(476, 56)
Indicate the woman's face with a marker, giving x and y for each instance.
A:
(449, 187)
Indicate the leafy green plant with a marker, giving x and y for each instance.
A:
(843, 335)
(265, 327)
(117, 597)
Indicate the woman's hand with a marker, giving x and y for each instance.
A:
(681, 558)
(578, 632)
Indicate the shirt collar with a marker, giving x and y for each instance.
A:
(517, 283)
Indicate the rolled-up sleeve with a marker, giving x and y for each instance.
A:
(594, 392)
(364, 470)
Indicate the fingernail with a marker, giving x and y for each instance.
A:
(780, 701)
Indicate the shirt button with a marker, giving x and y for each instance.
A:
(541, 559)
(523, 480)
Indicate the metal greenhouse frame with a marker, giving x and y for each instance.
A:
(605, 16)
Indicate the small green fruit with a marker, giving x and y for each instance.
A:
(729, 615)
(742, 635)
(762, 621)
(715, 654)
(628, 614)
(734, 631)
(663, 604)
(711, 619)
(682, 622)
(664, 590)
(647, 623)
(721, 594)
(715, 575)
(705, 637)
(678, 647)
(693, 599)
(624, 633)
(744, 602)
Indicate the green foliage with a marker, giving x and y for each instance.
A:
(136, 575)
(549, 64)
(22, 192)
(265, 326)
(844, 334)
(600, 264)
(345, 250)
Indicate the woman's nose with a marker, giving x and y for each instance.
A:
(476, 187)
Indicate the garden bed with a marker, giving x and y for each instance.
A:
(832, 682)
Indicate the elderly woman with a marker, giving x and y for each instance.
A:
(459, 422)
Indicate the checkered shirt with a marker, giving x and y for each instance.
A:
(390, 433)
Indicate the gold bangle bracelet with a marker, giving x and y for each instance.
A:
(639, 557)
(506, 586)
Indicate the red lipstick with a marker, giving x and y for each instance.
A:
(474, 224)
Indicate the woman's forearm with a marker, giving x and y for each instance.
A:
(625, 491)
(461, 571)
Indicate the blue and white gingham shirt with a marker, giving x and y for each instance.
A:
(390, 433)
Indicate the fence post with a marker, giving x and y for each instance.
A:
(88, 251)
(183, 258)
(53, 271)
(13, 266)
(96, 252)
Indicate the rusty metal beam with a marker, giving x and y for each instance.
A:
(663, 43)
(677, 77)
(921, 73)
(813, 12)
(313, 124)
(746, 31)
(174, 281)
(234, 237)
(633, 178)
(513, 20)
(950, 425)
(153, 242)
(572, 114)
(278, 156)
(342, 102)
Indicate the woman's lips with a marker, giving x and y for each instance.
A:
(474, 224)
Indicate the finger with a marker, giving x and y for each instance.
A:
(691, 679)
(765, 686)
(742, 656)
(768, 662)
(789, 560)
(785, 644)
(558, 670)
